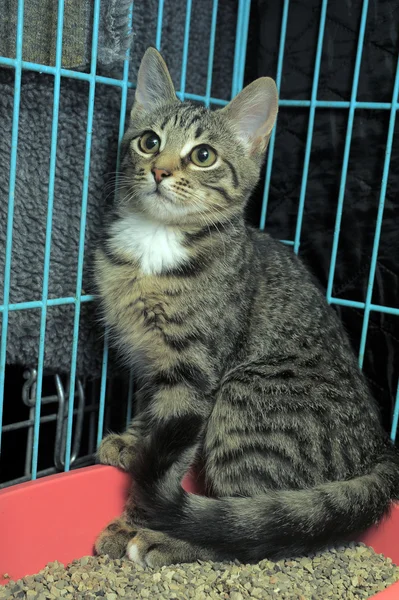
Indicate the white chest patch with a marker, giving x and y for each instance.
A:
(157, 247)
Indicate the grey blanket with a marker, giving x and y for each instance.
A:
(40, 31)
(33, 170)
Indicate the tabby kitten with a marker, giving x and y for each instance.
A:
(241, 363)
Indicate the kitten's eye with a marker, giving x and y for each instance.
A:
(203, 156)
(150, 142)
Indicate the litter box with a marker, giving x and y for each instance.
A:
(58, 518)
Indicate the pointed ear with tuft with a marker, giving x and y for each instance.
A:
(154, 84)
(253, 113)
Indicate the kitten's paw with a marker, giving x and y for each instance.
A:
(150, 549)
(116, 450)
(113, 540)
(155, 549)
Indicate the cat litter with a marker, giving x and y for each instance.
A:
(349, 571)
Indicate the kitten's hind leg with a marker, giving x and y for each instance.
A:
(155, 549)
(146, 547)
(113, 540)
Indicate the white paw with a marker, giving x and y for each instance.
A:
(133, 554)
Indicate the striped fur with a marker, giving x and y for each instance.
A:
(241, 363)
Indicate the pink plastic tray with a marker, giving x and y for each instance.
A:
(59, 517)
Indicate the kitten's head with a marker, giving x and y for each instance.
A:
(184, 164)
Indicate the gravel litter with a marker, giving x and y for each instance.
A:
(349, 571)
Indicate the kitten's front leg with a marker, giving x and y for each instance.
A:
(178, 407)
(118, 450)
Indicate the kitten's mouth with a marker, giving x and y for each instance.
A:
(161, 194)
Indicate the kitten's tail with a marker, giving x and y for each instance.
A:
(273, 525)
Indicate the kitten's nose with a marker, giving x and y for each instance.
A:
(160, 174)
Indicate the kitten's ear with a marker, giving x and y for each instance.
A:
(253, 113)
(154, 84)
